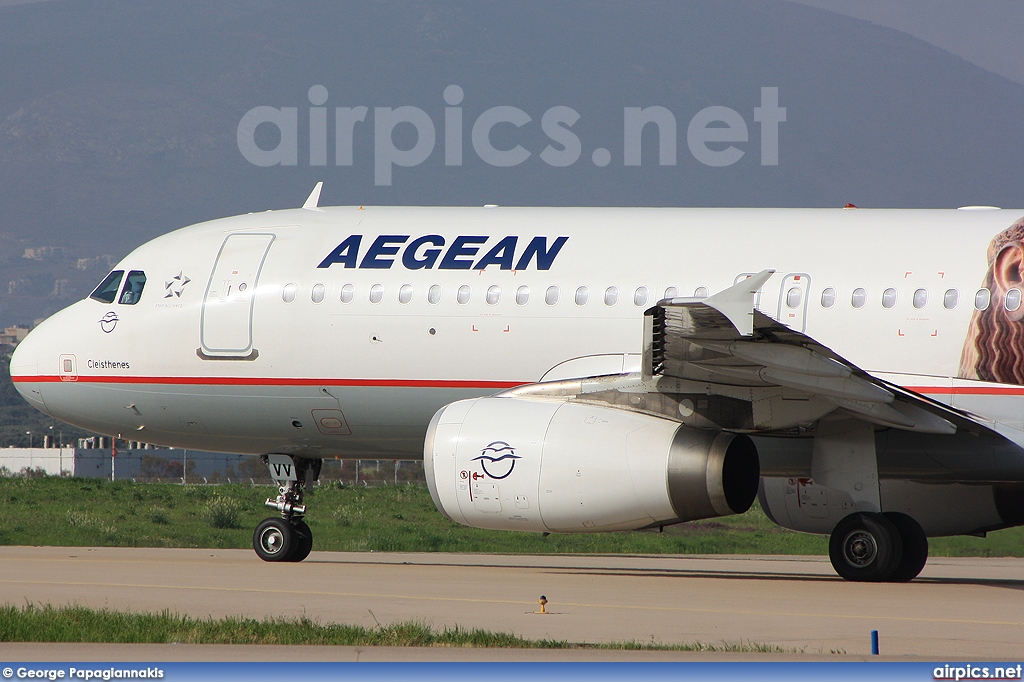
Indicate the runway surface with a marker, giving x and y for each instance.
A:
(958, 609)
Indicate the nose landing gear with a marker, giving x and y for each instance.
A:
(287, 538)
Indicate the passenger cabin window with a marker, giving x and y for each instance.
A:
(920, 298)
(858, 298)
(950, 299)
(463, 295)
(828, 298)
(523, 295)
(106, 292)
(376, 293)
(640, 297)
(405, 294)
(493, 295)
(551, 295)
(317, 295)
(348, 293)
(982, 299)
(1012, 300)
(611, 296)
(889, 298)
(288, 293)
(434, 294)
(582, 295)
(700, 292)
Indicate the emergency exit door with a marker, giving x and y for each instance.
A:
(793, 301)
(230, 295)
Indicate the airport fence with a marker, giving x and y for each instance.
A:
(190, 467)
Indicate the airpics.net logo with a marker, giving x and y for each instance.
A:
(716, 136)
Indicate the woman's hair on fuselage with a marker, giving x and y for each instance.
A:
(994, 347)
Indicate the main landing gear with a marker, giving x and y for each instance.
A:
(870, 547)
(287, 538)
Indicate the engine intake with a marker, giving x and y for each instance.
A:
(515, 464)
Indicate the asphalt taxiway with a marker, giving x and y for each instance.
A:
(957, 609)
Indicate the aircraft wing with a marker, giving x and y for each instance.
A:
(719, 363)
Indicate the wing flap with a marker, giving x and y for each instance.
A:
(709, 341)
(720, 363)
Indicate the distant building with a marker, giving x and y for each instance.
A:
(12, 336)
(46, 253)
(104, 262)
(192, 466)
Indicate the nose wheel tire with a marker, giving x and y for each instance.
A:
(275, 540)
(303, 541)
(278, 540)
(866, 547)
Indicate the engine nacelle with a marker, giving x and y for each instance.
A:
(514, 464)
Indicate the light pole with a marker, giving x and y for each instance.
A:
(29, 434)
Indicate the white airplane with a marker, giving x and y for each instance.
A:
(860, 372)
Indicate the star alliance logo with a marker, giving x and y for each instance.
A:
(175, 285)
(497, 459)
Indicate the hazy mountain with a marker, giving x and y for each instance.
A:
(118, 120)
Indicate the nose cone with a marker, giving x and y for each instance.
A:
(25, 370)
(24, 359)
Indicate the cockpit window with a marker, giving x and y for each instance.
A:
(133, 286)
(106, 292)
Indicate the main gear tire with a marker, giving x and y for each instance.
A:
(865, 547)
(915, 547)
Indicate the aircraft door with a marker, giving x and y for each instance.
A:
(793, 301)
(228, 303)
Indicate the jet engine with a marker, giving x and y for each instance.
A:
(536, 465)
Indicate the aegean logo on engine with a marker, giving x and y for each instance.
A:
(497, 459)
(434, 251)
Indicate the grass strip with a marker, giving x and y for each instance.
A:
(70, 512)
(77, 624)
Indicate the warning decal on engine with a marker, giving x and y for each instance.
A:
(485, 497)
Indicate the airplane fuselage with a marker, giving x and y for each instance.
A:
(338, 332)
